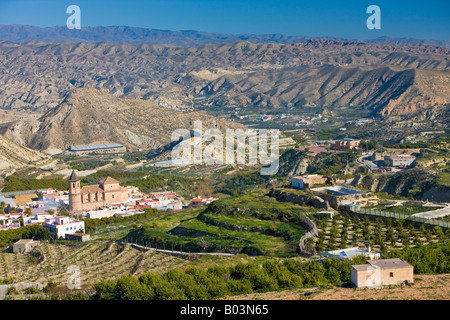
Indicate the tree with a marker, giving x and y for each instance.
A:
(417, 241)
(11, 290)
(129, 288)
(437, 230)
(399, 225)
(28, 212)
(344, 238)
(388, 222)
(63, 210)
(366, 222)
(320, 247)
(332, 242)
(422, 228)
(334, 231)
(429, 236)
(105, 286)
(390, 235)
(310, 241)
(333, 275)
(191, 289)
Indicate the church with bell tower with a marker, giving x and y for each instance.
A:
(93, 197)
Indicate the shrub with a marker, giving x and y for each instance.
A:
(186, 283)
(105, 286)
(257, 275)
(283, 276)
(31, 290)
(129, 288)
(214, 285)
(239, 286)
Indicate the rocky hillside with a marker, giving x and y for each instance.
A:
(383, 77)
(384, 89)
(295, 162)
(13, 155)
(90, 116)
(419, 183)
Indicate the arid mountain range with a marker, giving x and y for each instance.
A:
(89, 116)
(182, 38)
(385, 78)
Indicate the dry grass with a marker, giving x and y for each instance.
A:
(426, 287)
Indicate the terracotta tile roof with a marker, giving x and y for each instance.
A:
(109, 180)
(313, 149)
(91, 189)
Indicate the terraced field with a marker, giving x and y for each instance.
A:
(344, 232)
(251, 224)
(96, 259)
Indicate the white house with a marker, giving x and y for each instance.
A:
(350, 253)
(105, 213)
(162, 201)
(175, 205)
(202, 201)
(10, 221)
(60, 226)
(297, 182)
(39, 217)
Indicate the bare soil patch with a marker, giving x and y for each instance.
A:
(426, 287)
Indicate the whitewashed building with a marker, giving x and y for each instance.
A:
(38, 217)
(350, 253)
(60, 226)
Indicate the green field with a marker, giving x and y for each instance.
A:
(251, 224)
(444, 178)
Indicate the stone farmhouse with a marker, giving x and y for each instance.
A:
(382, 272)
(308, 181)
(24, 245)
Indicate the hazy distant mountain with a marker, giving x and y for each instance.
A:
(134, 35)
(184, 38)
(406, 41)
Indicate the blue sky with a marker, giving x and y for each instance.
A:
(346, 19)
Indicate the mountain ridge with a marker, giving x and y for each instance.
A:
(185, 38)
(39, 75)
(88, 116)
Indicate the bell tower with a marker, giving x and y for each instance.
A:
(74, 193)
